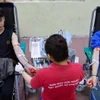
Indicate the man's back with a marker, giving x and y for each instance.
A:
(59, 81)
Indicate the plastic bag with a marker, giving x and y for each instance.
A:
(68, 37)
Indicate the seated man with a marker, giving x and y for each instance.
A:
(9, 49)
(95, 45)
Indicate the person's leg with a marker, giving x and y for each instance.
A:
(7, 88)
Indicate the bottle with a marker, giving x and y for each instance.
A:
(38, 64)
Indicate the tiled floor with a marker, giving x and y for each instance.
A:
(84, 95)
(78, 43)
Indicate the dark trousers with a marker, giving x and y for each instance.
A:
(7, 89)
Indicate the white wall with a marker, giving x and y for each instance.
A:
(44, 18)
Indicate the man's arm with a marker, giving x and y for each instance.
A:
(19, 53)
(95, 57)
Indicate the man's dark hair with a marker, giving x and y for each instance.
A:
(56, 46)
(1, 13)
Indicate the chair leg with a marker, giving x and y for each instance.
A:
(25, 90)
(16, 95)
(0, 96)
(0, 93)
(16, 89)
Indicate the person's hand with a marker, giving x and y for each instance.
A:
(19, 68)
(92, 81)
(30, 69)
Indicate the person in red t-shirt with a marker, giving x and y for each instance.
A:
(61, 78)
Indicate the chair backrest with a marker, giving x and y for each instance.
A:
(11, 16)
(95, 23)
(97, 20)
